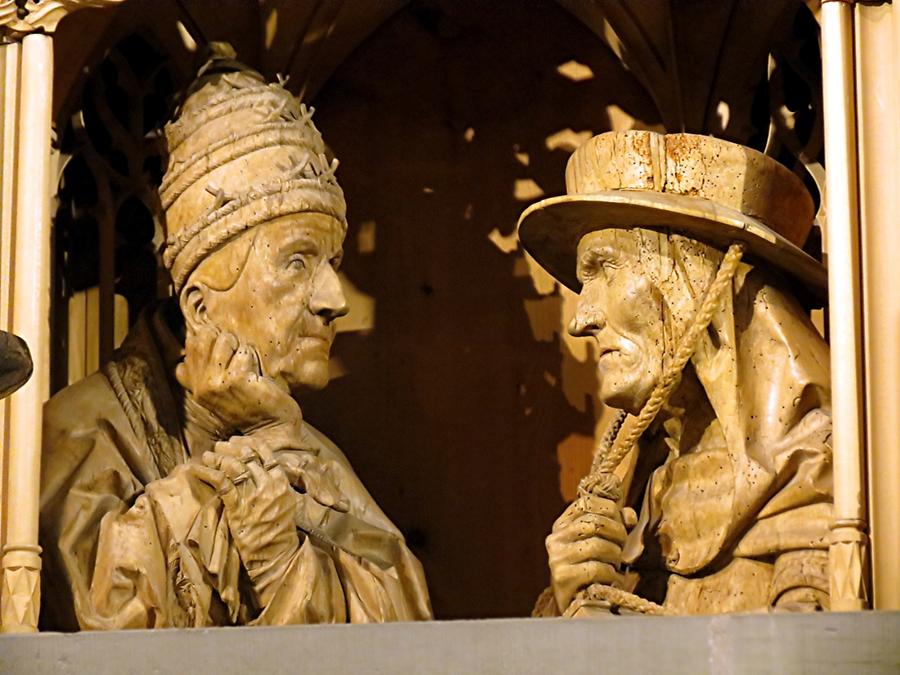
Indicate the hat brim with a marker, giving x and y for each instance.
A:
(551, 229)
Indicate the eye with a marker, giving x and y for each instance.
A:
(297, 262)
(616, 264)
(608, 268)
(592, 267)
(336, 262)
(599, 263)
(586, 271)
(586, 274)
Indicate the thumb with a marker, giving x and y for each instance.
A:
(182, 376)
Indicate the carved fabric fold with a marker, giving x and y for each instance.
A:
(125, 548)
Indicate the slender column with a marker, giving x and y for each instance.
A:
(9, 76)
(847, 552)
(31, 320)
(878, 122)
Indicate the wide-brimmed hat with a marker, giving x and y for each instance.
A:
(706, 188)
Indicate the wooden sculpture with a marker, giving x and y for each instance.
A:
(181, 484)
(712, 491)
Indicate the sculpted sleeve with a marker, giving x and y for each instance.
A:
(92, 478)
(381, 578)
(127, 548)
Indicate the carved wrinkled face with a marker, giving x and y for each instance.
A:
(285, 300)
(622, 310)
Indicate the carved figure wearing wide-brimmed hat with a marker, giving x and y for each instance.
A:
(712, 490)
(181, 484)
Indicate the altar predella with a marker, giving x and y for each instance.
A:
(182, 487)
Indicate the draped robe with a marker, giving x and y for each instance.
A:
(738, 510)
(733, 485)
(133, 539)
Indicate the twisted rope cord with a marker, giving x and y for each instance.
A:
(607, 460)
(616, 598)
(609, 437)
(601, 481)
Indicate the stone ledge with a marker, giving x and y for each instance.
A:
(864, 642)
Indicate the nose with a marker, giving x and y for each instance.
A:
(588, 320)
(328, 299)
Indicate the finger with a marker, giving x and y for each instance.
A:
(214, 459)
(236, 447)
(246, 450)
(572, 511)
(218, 480)
(591, 525)
(629, 517)
(245, 362)
(579, 541)
(584, 574)
(308, 474)
(201, 339)
(254, 364)
(223, 350)
(567, 580)
(183, 377)
(213, 477)
(321, 489)
(563, 550)
(586, 503)
(211, 459)
(260, 476)
(588, 550)
(599, 505)
(266, 455)
(234, 468)
(199, 342)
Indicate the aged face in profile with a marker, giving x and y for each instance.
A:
(622, 310)
(285, 298)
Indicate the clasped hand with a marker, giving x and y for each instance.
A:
(258, 499)
(257, 489)
(585, 547)
(256, 471)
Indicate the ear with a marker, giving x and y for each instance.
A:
(193, 305)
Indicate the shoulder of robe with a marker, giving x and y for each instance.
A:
(318, 441)
(84, 418)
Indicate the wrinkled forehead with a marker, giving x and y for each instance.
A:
(324, 231)
(618, 240)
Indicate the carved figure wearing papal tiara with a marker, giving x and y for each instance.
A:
(181, 484)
